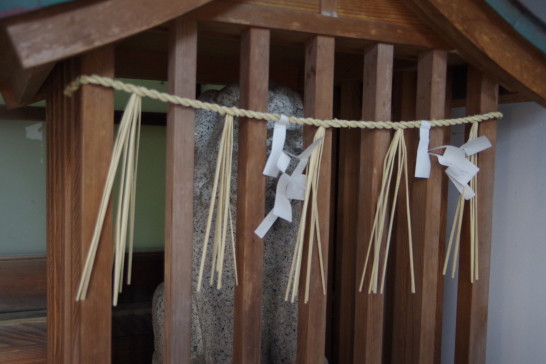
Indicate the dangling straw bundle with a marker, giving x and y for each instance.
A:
(126, 149)
(221, 186)
(397, 151)
(311, 192)
(456, 227)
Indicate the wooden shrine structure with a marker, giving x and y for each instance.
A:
(370, 60)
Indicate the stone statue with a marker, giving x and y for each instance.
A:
(212, 309)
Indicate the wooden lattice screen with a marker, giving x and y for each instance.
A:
(351, 327)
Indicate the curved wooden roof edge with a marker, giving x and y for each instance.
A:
(486, 41)
(481, 36)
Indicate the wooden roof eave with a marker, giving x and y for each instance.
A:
(486, 41)
(34, 41)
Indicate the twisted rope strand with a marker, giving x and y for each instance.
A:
(238, 112)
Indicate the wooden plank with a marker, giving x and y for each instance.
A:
(376, 105)
(273, 18)
(23, 283)
(415, 339)
(485, 39)
(179, 194)
(345, 245)
(254, 72)
(59, 32)
(472, 299)
(79, 139)
(392, 11)
(399, 302)
(19, 86)
(23, 340)
(310, 6)
(318, 103)
(23, 328)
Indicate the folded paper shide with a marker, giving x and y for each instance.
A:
(301, 184)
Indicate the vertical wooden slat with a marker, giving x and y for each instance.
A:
(179, 194)
(318, 97)
(417, 323)
(402, 285)
(472, 299)
(79, 146)
(345, 249)
(376, 105)
(254, 73)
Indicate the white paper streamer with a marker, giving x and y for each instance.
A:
(422, 163)
(276, 162)
(460, 169)
(289, 187)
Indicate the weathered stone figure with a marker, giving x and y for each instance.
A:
(212, 309)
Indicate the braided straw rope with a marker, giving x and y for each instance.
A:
(237, 112)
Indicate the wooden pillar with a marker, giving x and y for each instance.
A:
(179, 194)
(416, 339)
(402, 284)
(79, 145)
(347, 210)
(254, 72)
(318, 102)
(376, 105)
(472, 298)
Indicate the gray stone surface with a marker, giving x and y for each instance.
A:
(212, 309)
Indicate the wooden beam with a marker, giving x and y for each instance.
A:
(79, 139)
(376, 105)
(254, 73)
(60, 32)
(281, 19)
(19, 86)
(485, 40)
(347, 210)
(418, 326)
(473, 298)
(318, 103)
(179, 194)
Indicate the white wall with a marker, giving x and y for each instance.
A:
(517, 297)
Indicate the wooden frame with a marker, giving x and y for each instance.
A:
(80, 134)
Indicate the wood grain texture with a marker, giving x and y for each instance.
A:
(23, 326)
(23, 340)
(398, 303)
(23, 284)
(309, 6)
(485, 40)
(59, 32)
(391, 11)
(281, 19)
(179, 194)
(417, 323)
(346, 222)
(318, 103)
(473, 298)
(79, 139)
(376, 105)
(254, 73)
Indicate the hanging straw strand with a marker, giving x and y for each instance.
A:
(129, 116)
(221, 186)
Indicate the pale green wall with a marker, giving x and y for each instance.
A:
(22, 188)
(22, 191)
